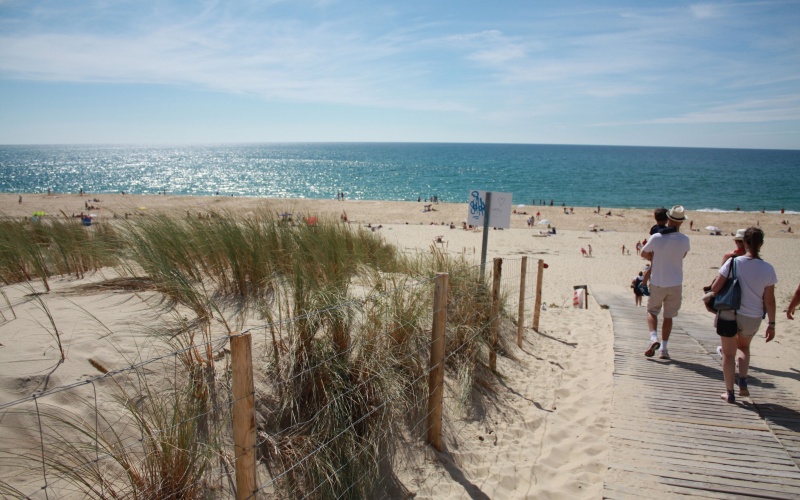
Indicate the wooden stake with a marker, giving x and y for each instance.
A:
(244, 417)
(521, 311)
(498, 267)
(537, 305)
(436, 375)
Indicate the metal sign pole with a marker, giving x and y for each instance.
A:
(485, 243)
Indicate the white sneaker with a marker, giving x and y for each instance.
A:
(719, 350)
(664, 354)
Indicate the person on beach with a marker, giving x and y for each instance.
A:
(665, 251)
(590, 249)
(738, 239)
(793, 304)
(757, 279)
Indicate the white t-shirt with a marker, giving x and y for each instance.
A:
(668, 253)
(754, 276)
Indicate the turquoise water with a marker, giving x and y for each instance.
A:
(609, 176)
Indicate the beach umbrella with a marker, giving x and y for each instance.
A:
(713, 228)
(544, 221)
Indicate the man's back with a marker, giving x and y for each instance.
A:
(668, 253)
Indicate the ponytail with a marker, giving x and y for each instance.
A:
(753, 239)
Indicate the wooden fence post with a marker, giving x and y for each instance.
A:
(436, 374)
(498, 267)
(537, 305)
(521, 311)
(244, 417)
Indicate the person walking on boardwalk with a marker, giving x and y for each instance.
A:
(666, 251)
(757, 281)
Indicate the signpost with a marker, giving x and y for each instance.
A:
(498, 208)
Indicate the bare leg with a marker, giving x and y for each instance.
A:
(666, 328)
(743, 354)
(728, 368)
(728, 360)
(652, 322)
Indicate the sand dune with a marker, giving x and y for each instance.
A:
(547, 434)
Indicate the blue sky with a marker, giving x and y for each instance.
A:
(718, 74)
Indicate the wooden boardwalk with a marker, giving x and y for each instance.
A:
(672, 436)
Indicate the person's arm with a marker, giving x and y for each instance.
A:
(719, 282)
(793, 304)
(769, 302)
(647, 256)
(727, 256)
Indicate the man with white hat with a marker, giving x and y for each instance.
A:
(666, 251)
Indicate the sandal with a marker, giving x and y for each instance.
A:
(728, 397)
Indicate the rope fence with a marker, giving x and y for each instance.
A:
(308, 406)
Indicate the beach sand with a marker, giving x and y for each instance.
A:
(546, 433)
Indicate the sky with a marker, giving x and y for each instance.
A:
(641, 73)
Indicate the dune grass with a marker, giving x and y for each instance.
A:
(147, 445)
(53, 247)
(345, 377)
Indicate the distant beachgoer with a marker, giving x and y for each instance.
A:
(20, 200)
(636, 284)
(583, 252)
(590, 250)
(551, 202)
(623, 249)
(691, 225)
(666, 251)
(638, 247)
(757, 279)
(793, 304)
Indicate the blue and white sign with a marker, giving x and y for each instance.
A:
(500, 209)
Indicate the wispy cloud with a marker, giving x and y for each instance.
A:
(566, 64)
(781, 108)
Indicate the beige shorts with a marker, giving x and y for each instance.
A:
(667, 296)
(748, 326)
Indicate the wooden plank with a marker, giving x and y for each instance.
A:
(727, 447)
(786, 475)
(749, 485)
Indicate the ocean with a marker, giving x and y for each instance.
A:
(581, 176)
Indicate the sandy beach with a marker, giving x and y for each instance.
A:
(546, 436)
